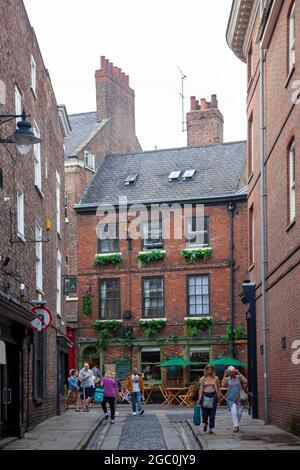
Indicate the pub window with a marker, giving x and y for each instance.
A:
(198, 295)
(109, 290)
(153, 292)
(111, 244)
(202, 358)
(196, 237)
(150, 360)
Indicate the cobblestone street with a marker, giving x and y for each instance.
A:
(160, 428)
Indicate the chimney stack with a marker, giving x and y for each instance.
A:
(205, 122)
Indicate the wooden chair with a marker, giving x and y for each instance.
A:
(188, 398)
(165, 394)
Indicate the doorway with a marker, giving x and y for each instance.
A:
(9, 393)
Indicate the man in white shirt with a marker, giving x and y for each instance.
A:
(135, 386)
(87, 383)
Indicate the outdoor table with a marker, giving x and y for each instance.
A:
(174, 392)
(223, 395)
(147, 393)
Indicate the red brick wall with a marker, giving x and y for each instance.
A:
(17, 43)
(175, 272)
(282, 123)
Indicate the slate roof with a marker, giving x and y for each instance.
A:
(220, 171)
(84, 126)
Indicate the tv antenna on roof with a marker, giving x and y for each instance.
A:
(183, 77)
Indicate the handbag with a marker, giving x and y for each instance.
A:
(208, 402)
(99, 395)
(243, 395)
(197, 415)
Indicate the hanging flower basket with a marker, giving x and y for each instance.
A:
(152, 327)
(196, 326)
(194, 254)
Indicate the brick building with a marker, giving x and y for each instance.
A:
(267, 37)
(32, 364)
(110, 129)
(135, 286)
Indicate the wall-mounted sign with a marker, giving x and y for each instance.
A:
(43, 319)
(70, 284)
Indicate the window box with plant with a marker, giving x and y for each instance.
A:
(146, 257)
(151, 327)
(108, 258)
(192, 255)
(196, 326)
(107, 330)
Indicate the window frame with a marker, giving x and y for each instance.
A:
(18, 104)
(87, 156)
(153, 349)
(37, 158)
(109, 317)
(291, 41)
(152, 246)
(190, 315)
(38, 257)
(251, 236)
(21, 215)
(292, 181)
(194, 244)
(250, 146)
(149, 278)
(114, 240)
(58, 203)
(200, 369)
(58, 284)
(33, 74)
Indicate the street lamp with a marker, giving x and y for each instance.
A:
(23, 137)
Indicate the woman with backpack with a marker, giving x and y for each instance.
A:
(209, 394)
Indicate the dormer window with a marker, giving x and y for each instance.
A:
(188, 174)
(131, 180)
(89, 160)
(174, 176)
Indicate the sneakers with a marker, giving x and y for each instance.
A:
(141, 412)
(112, 421)
(134, 413)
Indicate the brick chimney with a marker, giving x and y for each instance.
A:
(205, 122)
(115, 101)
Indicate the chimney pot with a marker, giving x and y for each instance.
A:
(204, 104)
(193, 103)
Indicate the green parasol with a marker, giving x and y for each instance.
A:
(227, 361)
(177, 361)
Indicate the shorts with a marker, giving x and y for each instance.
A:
(88, 392)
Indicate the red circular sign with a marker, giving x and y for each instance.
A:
(43, 318)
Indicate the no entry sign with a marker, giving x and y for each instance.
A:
(43, 319)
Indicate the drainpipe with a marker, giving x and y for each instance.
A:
(263, 226)
(231, 208)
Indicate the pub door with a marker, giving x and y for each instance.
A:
(9, 393)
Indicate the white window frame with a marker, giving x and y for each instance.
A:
(292, 182)
(33, 75)
(20, 215)
(89, 160)
(292, 38)
(38, 257)
(189, 227)
(58, 202)
(18, 104)
(37, 159)
(200, 294)
(58, 284)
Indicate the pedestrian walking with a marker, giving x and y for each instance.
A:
(74, 390)
(87, 385)
(209, 394)
(135, 386)
(234, 381)
(110, 395)
(96, 374)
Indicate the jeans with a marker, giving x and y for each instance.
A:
(111, 401)
(136, 399)
(236, 413)
(210, 413)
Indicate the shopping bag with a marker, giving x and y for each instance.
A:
(99, 395)
(197, 415)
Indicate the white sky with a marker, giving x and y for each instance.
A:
(148, 40)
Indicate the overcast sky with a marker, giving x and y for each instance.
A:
(148, 40)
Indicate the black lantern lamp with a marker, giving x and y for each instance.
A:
(23, 137)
